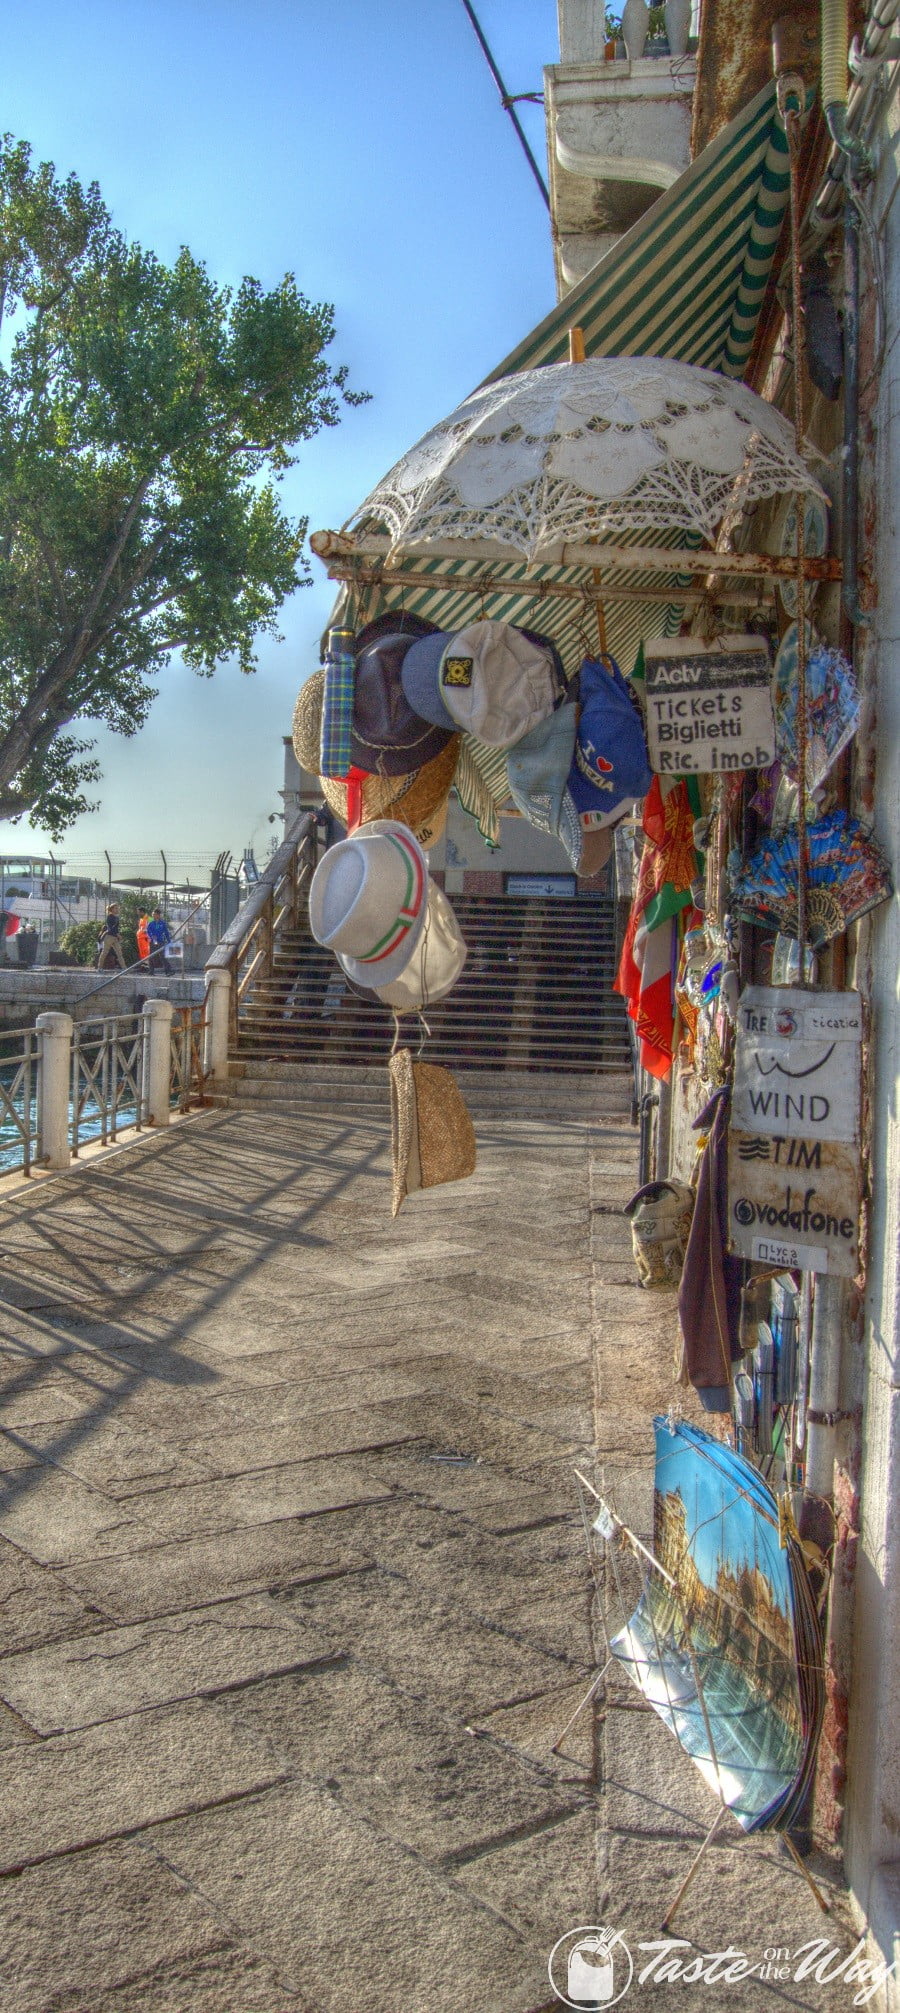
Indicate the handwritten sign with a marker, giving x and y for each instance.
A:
(709, 705)
(793, 1153)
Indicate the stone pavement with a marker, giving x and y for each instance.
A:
(294, 1587)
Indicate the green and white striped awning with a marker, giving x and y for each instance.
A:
(687, 281)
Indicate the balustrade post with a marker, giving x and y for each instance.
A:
(218, 1024)
(157, 1019)
(54, 1146)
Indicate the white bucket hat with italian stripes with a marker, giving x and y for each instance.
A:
(368, 901)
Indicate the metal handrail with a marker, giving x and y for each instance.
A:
(20, 1091)
(107, 1077)
(247, 950)
(187, 1069)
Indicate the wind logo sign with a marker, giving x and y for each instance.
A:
(793, 1156)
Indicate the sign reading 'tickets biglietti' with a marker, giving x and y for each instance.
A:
(709, 706)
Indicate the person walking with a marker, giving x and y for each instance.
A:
(160, 935)
(109, 944)
(143, 939)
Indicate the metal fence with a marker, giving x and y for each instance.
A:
(19, 1090)
(109, 1082)
(187, 1071)
(107, 1078)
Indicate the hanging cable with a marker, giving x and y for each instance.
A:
(508, 103)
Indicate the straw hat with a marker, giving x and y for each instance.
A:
(306, 729)
(418, 799)
(436, 962)
(432, 1136)
(368, 901)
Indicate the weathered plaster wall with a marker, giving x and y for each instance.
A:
(872, 1839)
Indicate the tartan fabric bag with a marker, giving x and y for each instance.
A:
(337, 704)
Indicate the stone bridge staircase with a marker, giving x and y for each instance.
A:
(535, 997)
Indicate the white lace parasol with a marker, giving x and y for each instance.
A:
(587, 451)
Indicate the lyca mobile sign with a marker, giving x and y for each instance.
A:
(793, 1157)
(709, 706)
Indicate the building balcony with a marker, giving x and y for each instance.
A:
(618, 134)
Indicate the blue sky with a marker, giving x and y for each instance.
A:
(361, 146)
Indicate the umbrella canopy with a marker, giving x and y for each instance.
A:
(578, 453)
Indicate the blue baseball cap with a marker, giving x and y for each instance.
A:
(609, 768)
(537, 770)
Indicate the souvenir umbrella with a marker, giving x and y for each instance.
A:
(510, 505)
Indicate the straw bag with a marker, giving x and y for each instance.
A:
(660, 1216)
(432, 1135)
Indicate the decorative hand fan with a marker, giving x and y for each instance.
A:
(848, 875)
(832, 706)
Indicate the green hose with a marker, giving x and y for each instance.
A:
(835, 33)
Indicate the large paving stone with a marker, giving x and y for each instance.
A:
(74, 1928)
(35, 1605)
(544, 1880)
(82, 1789)
(380, 1931)
(312, 1393)
(224, 1981)
(112, 1455)
(408, 1768)
(428, 1650)
(195, 1571)
(301, 1489)
(344, 1431)
(55, 1517)
(489, 1495)
(122, 1670)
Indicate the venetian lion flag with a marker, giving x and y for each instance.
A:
(649, 953)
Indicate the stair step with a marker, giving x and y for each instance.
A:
(535, 999)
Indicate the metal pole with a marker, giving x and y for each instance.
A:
(824, 1387)
(165, 879)
(108, 877)
(506, 101)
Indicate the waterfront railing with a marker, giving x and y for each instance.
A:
(20, 1050)
(65, 1084)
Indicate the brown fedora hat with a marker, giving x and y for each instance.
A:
(387, 737)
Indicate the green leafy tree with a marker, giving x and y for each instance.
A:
(146, 416)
